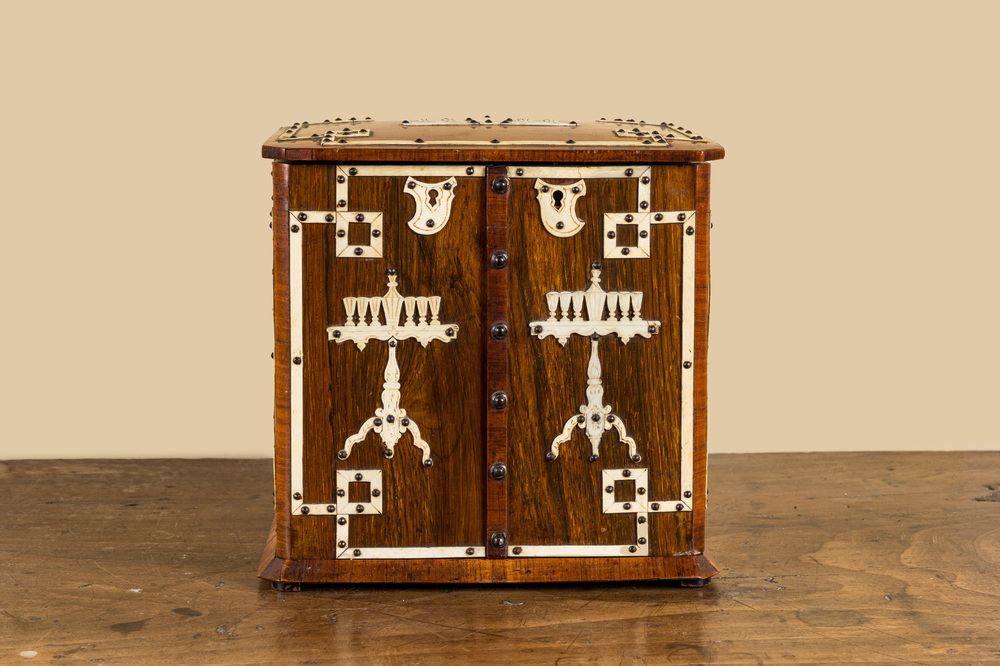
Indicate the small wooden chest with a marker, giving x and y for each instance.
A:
(490, 351)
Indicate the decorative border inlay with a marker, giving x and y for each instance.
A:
(347, 509)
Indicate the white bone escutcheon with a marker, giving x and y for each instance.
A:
(557, 204)
(433, 204)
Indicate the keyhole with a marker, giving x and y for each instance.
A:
(432, 197)
(557, 199)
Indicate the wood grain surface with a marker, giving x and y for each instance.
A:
(560, 502)
(830, 558)
(442, 505)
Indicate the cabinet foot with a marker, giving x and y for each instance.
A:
(694, 582)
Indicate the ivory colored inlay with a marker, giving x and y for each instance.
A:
(433, 204)
(557, 205)
(566, 318)
(382, 318)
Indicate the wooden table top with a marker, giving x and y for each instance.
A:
(848, 557)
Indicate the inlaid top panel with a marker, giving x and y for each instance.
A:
(491, 139)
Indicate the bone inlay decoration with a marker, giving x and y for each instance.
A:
(382, 318)
(582, 313)
(347, 510)
(433, 204)
(557, 205)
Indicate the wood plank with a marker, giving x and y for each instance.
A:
(826, 558)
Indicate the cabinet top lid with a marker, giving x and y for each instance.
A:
(485, 139)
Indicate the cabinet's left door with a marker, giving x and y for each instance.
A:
(386, 299)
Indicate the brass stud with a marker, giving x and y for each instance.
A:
(636, 458)
(342, 455)
(680, 507)
(625, 472)
(658, 217)
(305, 509)
(360, 508)
(341, 203)
(517, 550)
(628, 172)
(642, 541)
(357, 553)
(549, 457)
(358, 476)
(520, 172)
(687, 493)
(360, 217)
(330, 508)
(681, 217)
(352, 171)
(470, 551)
(687, 364)
(411, 185)
(689, 231)
(340, 179)
(628, 218)
(632, 549)
(376, 492)
(428, 463)
(376, 233)
(643, 233)
(559, 225)
(297, 360)
(295, 228)
(297, 496)
(641, 519)
(358, 250)
(341, 521)
(470, 170)
(593, 457)
(655, 506)
(625, 250)
(640, 490)
(303, 217)
(342, 544)
(340, 492)
(609, 489)
(329, 217)
(611, 234)
(626, 506)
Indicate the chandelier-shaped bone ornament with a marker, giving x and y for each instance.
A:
(566, 318)
(383, 318)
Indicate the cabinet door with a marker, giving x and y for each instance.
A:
(601, 314)
(387, 299)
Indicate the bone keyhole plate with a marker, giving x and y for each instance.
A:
(557, 204)
(433, 204)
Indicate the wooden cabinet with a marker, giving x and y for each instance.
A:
(490, 351)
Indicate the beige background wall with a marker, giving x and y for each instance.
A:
(855, 284)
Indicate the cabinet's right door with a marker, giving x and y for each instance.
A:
(601, 312)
